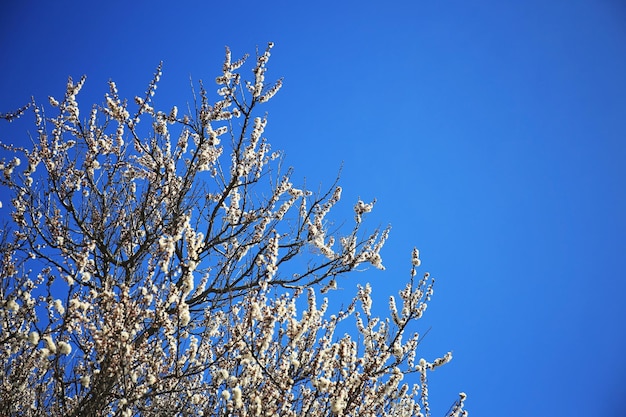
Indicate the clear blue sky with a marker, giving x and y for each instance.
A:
(492, 134)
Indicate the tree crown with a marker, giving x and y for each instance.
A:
(154, 260)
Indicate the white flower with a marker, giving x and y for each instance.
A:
(65, 348)
(415, 258)
(85, 381)
(58, 305)
(237, 397)
(361, 208)
(397, 351)
(50, 344)
(222, 375)
(332, 285)
(33, 338)
(172, 115)
(13, 306)
(338, 403)
(185, 317)
(323, 384)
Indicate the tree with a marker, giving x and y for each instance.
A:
(162, 268)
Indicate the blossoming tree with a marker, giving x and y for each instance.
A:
(169, 267)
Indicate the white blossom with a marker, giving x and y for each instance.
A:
(237, 397)
(33, 338)
(415, 257)
(64, 348)
(13, 306)
(58, 305)
(85, 381)
(50, 345)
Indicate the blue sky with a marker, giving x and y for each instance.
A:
(492, 134)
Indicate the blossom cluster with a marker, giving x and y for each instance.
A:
(160, 268)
